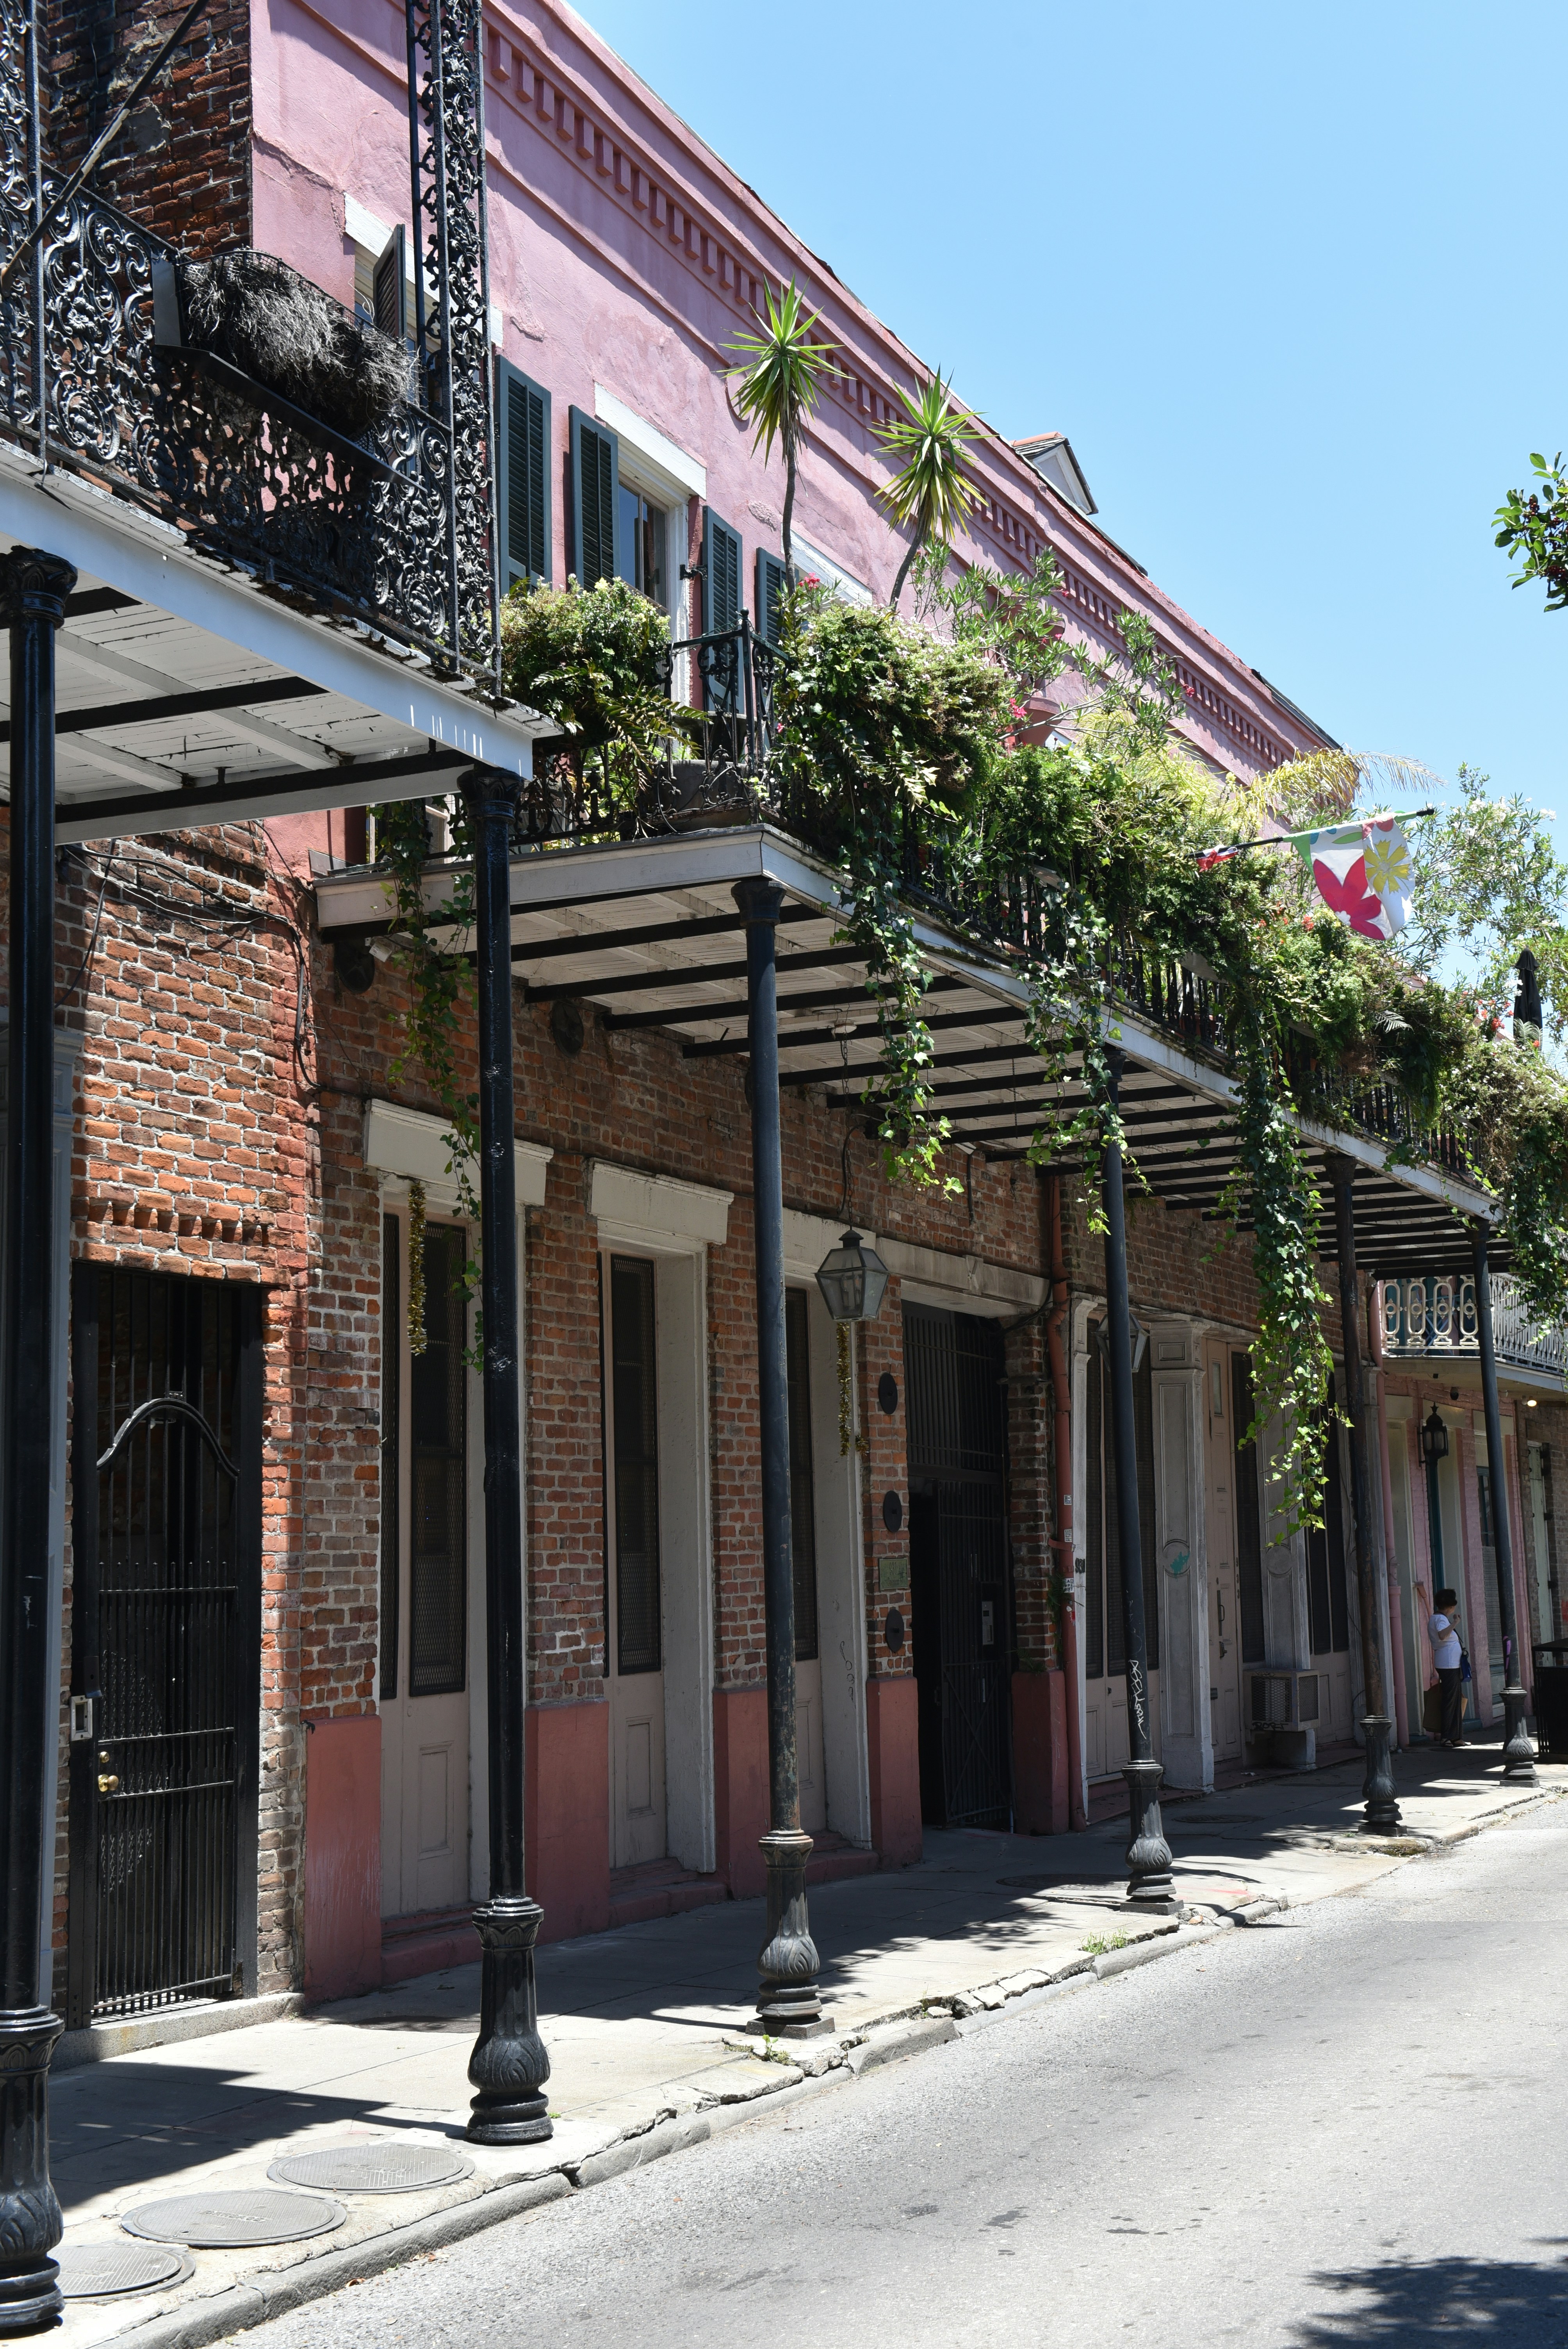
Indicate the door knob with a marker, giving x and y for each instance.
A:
(108, 1786)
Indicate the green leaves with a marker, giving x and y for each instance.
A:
(591, 657)
(1534, 526)
(779, 381)
(931, 489)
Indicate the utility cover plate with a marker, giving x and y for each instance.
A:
(233, 2221)
(104, 2270)
(372, 2167)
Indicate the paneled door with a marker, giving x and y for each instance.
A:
(424, 1680)
(1106, 1740)
(803, 1540)
(1224, 1511)
(629, 1335)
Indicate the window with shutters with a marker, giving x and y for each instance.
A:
(642, 540)
(769, 597)
(522, 483)
(595, 495)
(720, 575)
(389, 297)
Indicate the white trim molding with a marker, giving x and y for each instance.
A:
(653, 1208)
(677, 473)
(964, 1284)
(414, 1147)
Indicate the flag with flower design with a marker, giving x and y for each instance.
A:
(1362, 872)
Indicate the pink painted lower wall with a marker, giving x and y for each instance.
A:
(566, 1816)
(740, 1787)
(892, 1739)
(1040, 1753)
(343, 1855)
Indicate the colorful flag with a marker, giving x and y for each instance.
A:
(1362, 872)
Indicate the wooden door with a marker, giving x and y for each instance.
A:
(1221, 1461)
(424, 1680)
(638, 1831)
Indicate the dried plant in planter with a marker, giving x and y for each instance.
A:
(266, 319)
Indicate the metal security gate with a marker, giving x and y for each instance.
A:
(166, 1640)
(960, 1566)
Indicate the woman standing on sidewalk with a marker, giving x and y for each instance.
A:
(1448, 1656)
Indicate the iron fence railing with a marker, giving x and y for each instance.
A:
(1436, 1317)
(391, 526)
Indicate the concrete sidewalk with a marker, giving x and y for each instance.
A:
(644, 2029)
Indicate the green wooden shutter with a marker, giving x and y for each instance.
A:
(389, 282)
(596, 486)
(769, 597)
(522, 483)
(720, 574)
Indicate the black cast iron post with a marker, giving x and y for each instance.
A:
(33, 591)
(1381, 1815)
(788, 2003)
(1517, 1754)
(509, 2065)
(1148, 1852)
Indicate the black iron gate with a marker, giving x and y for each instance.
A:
(960, 1566)
(165, 1640)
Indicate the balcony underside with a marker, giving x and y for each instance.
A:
(189, 694)
(647, 930)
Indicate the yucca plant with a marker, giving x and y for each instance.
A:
(778, 382)
(931, 489)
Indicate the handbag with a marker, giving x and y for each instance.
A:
(1464, 1668)
(1432, 1710)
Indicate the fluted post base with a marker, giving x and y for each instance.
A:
(788, 2003)
(1150, 1884)
(509, 2066)
(30, 2222)
(1517, 1754)
(1381, 1815)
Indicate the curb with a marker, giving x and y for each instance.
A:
(200, 2323)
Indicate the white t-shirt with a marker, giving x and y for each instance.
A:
(1445, 1642)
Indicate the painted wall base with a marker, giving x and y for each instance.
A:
(1040, 1753)
(342, 1913)
(566, 1816)
(892, 1736)
(740, 1787)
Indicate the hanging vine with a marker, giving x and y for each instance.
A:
(418, 1337)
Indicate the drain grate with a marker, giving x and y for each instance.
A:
(230, 2221)
(104, 2270)
(370, 2168)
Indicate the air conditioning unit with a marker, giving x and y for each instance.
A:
(1283, 1700)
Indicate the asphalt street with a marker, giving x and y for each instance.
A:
(1346, 2125)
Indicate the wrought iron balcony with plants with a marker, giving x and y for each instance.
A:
(279, 433)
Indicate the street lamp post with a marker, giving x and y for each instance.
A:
(33, 591)
(789, 2003)
(1381, 1815)
(509, 2066)
(1517, 1754)
(1149, 1883)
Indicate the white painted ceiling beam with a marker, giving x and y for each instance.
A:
(299, 749)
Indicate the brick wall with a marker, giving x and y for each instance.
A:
(181, 165)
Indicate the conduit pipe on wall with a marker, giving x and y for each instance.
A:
(1062, 1542)
(1391, 1553)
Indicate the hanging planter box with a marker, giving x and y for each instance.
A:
(255, 313)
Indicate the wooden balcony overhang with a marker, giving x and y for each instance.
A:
(647, 931)
(187, 693)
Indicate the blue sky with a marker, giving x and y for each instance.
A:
(1289, 278)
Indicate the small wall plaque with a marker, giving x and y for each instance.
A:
(893, 1573)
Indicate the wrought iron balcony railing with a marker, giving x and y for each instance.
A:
(385, 527)
(1436, 1317)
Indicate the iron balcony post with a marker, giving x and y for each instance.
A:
(33, 591)
(1381, 1815)
(789, 2003)
(1517, 1754)
(509, 2065)
(1148, 1852)
(747, 690)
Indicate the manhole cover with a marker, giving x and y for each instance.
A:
(100, 2270)
(372, 2168)
(227, 2221)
